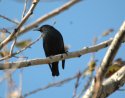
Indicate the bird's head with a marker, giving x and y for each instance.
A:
(44, 28)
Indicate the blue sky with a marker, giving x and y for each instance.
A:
(78, 25)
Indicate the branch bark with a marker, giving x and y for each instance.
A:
(59, 83)
(109, 86)
(19, 51)
(49, 15)
(51, 59)
(69, 55)
(106, 62)
(8, 19)
(38, 21)
(12, 36)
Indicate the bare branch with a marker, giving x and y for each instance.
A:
(113, 83)
(51, 59)
(108, 58)
(15, 33)
(96, 85)
(109, 86)
(8, 19)
(12, 47)
(59, 83)
(49, 15)
(38, 21)
(13, 54)
(24, 9)
(88, 83)
(76, 84)
(56, 58)
(4, 30)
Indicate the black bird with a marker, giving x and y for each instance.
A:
(53, 44)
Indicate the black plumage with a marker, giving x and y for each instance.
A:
(53, 44)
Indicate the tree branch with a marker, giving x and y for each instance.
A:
(115, 45)
(33, 62)
(11, 36)
(108, 58)
(25, 8)
(8, 19)
(59, 83)
(49, 15)
(21, 50)
(113, 83)
(38, 21)
(109, 86)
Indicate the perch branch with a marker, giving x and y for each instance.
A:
(33, 62)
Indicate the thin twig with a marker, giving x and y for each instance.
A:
(40, 20)
(12, 47)
(8, 19)
(108, 58)
(59, 83)
(106, 62)
(25, 8)
(4, 30)
(49, 15)
(15, 33)
(19, 51)
(55, 58)
(86, 86)
(76, 85)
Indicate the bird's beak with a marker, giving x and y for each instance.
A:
(37, 29)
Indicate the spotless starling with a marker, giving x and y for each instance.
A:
(53, 44)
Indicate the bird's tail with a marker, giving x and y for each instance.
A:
(63, 64)
(55, 70)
